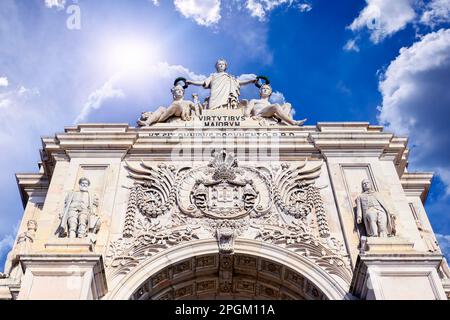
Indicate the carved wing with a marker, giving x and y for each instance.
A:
(294, 188)
(154, 187)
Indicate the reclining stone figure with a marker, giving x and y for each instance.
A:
(179, 108)
(263, 108)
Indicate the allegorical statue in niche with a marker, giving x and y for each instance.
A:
(225, 88)
(79, 218)
(179, 108)
(24, 240)
(372, 210)
(263, 108)
(23, 246)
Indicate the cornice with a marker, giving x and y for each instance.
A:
(326, 139)
(31, 184)
(417, 184)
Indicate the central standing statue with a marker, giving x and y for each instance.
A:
(225, 88)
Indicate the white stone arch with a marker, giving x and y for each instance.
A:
(329, 285)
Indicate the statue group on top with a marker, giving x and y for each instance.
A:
(224, 93)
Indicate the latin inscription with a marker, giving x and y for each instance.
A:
(222, 121)
(219, 134)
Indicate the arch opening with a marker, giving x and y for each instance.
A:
(256, 270)
(215, 277)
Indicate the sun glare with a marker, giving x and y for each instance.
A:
(131, 55)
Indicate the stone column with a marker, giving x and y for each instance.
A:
(383, 275)
(62, 277)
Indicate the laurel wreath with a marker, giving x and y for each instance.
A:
(181, 79)
(264, 78)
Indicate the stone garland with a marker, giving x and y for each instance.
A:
(324, 229)
(128, 229)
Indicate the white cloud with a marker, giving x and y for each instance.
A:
(204, 12)
(97, 98)
(436, 12)
(4, 103)
(277, 97)
(351, 45)
(6, 244)
(58, 4)
(256, 9)
(22, 91)
(158, 77)
(4, 82)
(208, 12)
(165, 70)
(444, 244)
(155, 2)
(384, 17)
(416, 101)
(7, 99)
(261, 8)
(305, 7)
(246, 76)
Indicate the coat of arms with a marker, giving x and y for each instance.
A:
(222, 190)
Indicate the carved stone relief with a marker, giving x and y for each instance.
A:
(224, 200)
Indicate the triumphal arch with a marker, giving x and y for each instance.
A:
(224, 199)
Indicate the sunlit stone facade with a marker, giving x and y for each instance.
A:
(222, 206)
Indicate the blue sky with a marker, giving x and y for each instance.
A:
(382, 61)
